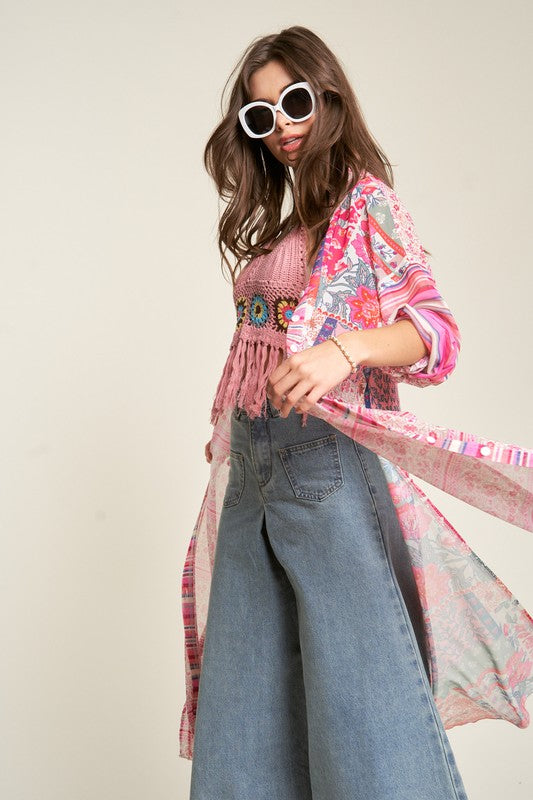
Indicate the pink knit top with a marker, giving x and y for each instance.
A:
(265, 295)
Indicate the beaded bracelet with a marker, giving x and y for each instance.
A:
(350, 359)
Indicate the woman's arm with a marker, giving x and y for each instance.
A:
(395, 345)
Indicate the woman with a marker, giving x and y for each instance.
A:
(320, 671)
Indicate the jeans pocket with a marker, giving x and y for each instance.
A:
(235, 483)
(313, 468)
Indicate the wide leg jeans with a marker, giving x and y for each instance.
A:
(314, 681)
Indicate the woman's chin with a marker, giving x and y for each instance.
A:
(291, 158)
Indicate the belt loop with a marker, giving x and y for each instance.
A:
(271, 410)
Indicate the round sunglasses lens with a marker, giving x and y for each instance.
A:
(259, 119)
(298, 103)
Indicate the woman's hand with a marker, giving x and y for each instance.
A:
(304, 377)
(208, 453)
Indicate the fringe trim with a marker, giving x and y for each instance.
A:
(244, 378)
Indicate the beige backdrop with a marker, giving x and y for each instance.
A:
(115, 324)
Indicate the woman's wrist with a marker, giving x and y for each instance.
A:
(355, 345)
(349, 358)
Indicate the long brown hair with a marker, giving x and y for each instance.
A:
(254, 182)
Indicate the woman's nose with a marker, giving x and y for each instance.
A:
(281, 120)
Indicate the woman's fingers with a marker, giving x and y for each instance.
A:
(294, 378)
(295, 396)
(208, 453)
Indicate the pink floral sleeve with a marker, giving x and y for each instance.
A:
(407, 290)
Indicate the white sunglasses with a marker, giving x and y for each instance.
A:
(296, 102)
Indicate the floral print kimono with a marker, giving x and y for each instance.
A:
(370, 271)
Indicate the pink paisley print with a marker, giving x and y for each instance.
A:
(361, 244)
(364, 305)
(438, 580)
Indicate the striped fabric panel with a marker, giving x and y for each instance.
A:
(407, 289)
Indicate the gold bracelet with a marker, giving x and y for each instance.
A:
(350, 359)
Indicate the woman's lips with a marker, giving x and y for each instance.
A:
(294, 145)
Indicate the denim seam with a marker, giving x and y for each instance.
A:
(260, 483)
(239, 458)
(428, 693)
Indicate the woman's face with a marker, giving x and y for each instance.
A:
(267, 83)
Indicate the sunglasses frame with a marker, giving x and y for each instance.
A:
(274, 109)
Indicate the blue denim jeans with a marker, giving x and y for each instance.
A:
(314, 681)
